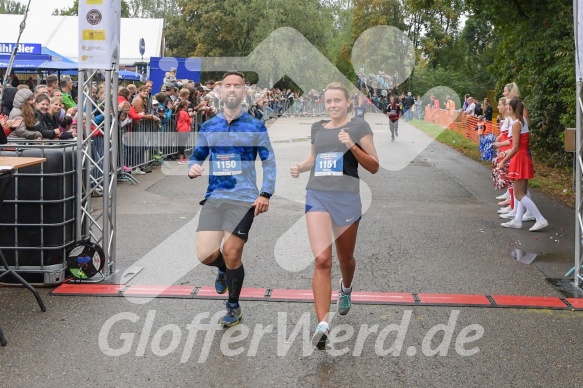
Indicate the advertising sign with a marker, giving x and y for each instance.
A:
(23, 48)
(99, 34)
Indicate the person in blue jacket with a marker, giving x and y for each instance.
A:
(231, 141)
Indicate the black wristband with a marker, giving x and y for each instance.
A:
(265, 195)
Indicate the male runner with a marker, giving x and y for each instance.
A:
(232, 140)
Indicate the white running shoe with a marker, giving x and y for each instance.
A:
(538, 225)
(503, 196)
(509, 215)
(506, 209)
(528, 217)
(512, 224)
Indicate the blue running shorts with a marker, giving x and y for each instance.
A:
(344, 207)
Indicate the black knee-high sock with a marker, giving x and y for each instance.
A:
(219, 263)
(235, 279)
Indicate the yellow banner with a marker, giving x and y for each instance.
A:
(95, 2)
(93, 34)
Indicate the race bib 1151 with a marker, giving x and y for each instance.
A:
(329, 164)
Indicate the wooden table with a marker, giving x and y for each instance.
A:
(7, 166)
(16, 162)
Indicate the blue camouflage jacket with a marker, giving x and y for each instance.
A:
(245, 137)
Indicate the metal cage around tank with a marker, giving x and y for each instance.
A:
(38, 217)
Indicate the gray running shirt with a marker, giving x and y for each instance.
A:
(336, 174)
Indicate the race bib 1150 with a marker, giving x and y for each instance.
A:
(227, 164)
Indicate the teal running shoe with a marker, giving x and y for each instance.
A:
(343, 304)
(320, 337)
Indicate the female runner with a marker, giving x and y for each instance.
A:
(333, 206)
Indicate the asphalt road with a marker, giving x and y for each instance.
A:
(431, 226)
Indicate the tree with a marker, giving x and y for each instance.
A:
(152, 9)
(340, 42)
(371, 13)
(12, 7)
(213, 28)
(536, 50)
(433, 26)
(74, 10)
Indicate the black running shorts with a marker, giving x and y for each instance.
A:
(235, 217)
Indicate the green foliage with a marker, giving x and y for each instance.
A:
(433, 28)
(537, 51)
(70, 11)
(344, 63)
(461, 82)
(12, 7)
(464, 65)
(371, 13)
(340, 43)
(152, 9)
(212, 28)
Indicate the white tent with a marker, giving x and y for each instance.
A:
(60, 34)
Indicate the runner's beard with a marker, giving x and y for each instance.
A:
(232, 104)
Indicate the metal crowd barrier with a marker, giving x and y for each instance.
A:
(37, 221)
(146, 143)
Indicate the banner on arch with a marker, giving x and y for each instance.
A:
(99, 34)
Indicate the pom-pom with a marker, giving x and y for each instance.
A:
(500, 175)
(487, 147)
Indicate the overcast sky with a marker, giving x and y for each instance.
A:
(46, 7)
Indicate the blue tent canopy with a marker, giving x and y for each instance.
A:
(52, 65)
(56, 57)
(24, 61)
(47, 60)
(126, 75)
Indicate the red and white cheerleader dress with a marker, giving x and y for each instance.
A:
(521, 166)
(500, 175)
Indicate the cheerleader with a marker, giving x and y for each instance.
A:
(510, 91)
(521, 168)
(502, 143)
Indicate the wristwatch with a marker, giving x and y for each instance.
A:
(265, 195)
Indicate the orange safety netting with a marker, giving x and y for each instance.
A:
(460, 123)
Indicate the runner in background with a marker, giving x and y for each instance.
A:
(360, 108)
(394, 112)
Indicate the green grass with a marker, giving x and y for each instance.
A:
(452, 139)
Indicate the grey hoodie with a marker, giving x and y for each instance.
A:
(21, 132)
